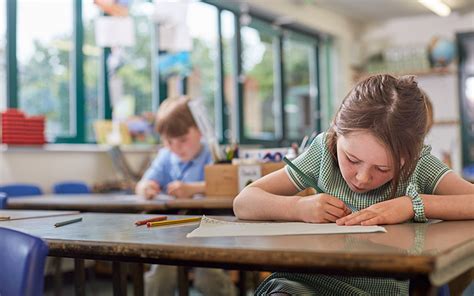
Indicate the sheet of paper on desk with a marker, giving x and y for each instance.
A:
(212, 228)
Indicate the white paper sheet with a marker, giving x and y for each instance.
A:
(213, 228)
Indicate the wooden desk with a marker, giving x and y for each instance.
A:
(115, 203)
(19, 214)
(204, 203)
(428, 254)
(88, 203)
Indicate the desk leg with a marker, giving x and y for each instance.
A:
(119, 278)
(242, 283)
(422, 286)
(58, 274)
(183, 285)
(138, 279)
(79, 277)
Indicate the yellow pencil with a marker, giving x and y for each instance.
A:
(171, 222)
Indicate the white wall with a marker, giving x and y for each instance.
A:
(442, 89)
(45, 167)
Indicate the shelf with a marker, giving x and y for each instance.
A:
(431, 72)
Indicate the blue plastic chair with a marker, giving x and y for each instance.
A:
(3, 200)
(71, 188)
(23, 257)
(15, 190)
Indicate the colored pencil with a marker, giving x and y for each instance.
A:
(4, 217)
(59, 224)
(307, 178)
(171, 222)
(155, 219)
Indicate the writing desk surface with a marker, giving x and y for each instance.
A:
(87, 202)
(23, 214)
(201, 203)
(439, 251)
(114, 203)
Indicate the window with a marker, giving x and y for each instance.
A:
(91, 68)
(135, 65)
(299, 100)
(202, 81)
(228, 33)
(43, 53)
(258, 97)
(247, 95)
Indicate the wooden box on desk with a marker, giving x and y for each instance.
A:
(222, 180)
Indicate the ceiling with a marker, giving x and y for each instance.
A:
(379, 10)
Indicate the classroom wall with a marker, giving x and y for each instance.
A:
(443, 89)
(44, 167)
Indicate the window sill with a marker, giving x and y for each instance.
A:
(80, 148)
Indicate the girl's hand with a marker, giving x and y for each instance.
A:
(392, 211)
(148, 188)
(320, 208)
(180, 189)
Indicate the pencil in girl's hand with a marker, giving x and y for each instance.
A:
(307, 178)
(59, 224)
(171, 222)
(155, 219)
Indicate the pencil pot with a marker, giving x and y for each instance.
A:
(227, 180)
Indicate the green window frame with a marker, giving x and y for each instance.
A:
(159, 88)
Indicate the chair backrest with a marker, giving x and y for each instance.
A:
(14, 190)
(3, 200)
(22, 257)
(71, 188)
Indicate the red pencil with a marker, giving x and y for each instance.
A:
(143, 222)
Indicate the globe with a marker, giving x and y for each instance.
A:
(441, 52)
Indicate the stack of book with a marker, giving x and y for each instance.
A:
(18, 129)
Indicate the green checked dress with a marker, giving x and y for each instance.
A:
(318, 163)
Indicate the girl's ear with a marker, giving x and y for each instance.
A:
(402, 162)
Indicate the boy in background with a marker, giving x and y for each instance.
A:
(178, 170)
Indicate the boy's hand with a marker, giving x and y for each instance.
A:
(180, 189)
(392, 211)
(148, 188)
(321, 208)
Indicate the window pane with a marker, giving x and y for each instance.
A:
(257, 60)
(91, 67)
(43, 52)
(202, 23)
(134, 63)
(3, 64)
(298, 104)
(228, 33)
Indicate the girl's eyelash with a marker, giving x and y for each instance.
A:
(350, 160)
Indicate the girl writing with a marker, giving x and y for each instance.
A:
(373, 169)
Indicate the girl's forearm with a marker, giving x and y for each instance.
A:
(449, 207)
(254, 203)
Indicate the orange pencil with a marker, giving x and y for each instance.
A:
(143, 222)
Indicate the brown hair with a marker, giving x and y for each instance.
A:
(174, 118)
(392, 109)
(429, 112)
